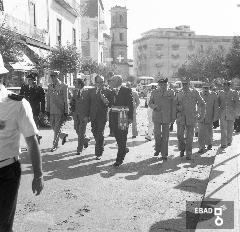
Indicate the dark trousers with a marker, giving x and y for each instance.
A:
(121, 138)
(98, 126)
(9, 184)
(111, 125)
(237, 124)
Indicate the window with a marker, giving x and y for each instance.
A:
(88, 34)
(32, 13)
(175, 46)
(1, 5)
(175, 56)
(201, 48)
(59, 31)
(74, 36)
(121, 36)
(120, 18)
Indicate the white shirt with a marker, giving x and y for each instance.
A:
(15, 118)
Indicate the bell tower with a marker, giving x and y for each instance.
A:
(118, 32)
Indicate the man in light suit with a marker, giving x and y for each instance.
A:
(162, 102)
(80, 111)
(187, 101)
(205, 135)
(228, 102)
(100, 99)
(57, 108)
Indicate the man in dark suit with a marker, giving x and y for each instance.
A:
(35, 96)
(79, 107)
(122, 116)
(100, 99)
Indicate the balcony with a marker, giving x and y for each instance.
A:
(71, 6)
(24, 29)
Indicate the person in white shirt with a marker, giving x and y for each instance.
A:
(16, 118)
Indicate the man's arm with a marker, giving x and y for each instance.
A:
(151, 103)
(137, 99)
(36, 160)
(65, 98)
(130, 104)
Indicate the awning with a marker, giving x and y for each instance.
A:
(24, 64)
(39, 51)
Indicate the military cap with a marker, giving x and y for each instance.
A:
(32, 76)
(185, 80)
(162, 80)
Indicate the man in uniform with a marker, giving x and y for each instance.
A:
(122, 116)
(205, 135)
(228, 102)
(79, 107)
(99, 101)
(57, 108)
(187, 101)
(35, 96)
(15, 118)
(136, 103)
(162, 102)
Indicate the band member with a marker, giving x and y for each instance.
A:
(205, 135)
(57, 108)
(79, 108)
(187, 100)
(122, 116)
(35, 96)
(228, 102)
(99, 101)
(162, 101)
(15, 118)
(136, 103)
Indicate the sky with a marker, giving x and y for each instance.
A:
(205, 17)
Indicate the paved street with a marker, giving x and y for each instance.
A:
(82, 194)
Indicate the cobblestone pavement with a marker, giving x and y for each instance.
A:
(82, 194)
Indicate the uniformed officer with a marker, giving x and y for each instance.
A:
(80, 109)
(15, 118)
(57, 107)
(187, 101)
(205, 135)
(228, 102)
(35, 96)
(164, 112)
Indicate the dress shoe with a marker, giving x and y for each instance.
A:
(148, 137)
(229, 144)
(64, 140)
(39, 137)
(209, 147)
(85, 145)
(156, 153)
(182, 153)
(127, 150)
(201, 151)
(78, 152)
(133, 137)
(117, 164)
(53, 149)
(98, 157)
(223, 146)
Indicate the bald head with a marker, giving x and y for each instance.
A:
(116, 81)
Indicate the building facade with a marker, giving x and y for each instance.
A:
(118, 32)
(164, 50)
(42, 25)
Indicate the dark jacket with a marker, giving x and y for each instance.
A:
(35, 96)
(124, 98)
(98, 109)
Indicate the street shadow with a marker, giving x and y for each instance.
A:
(131, 144)
(66, 165)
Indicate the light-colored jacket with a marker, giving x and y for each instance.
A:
(187, 103)
(228, 102)
(163, 105)
(212, 107)
(136, 101)
(57, 99)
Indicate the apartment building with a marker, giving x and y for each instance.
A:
(164, 50)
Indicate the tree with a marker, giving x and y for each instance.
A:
(65, 59)
(233, 59)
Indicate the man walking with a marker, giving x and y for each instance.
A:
(57, 108)
(15, 118)
(122, 116)
(35, 96)
(79, 107)
(205, 135)
(187, 101)
(99, 101)
(228, 102)
(164, 112)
